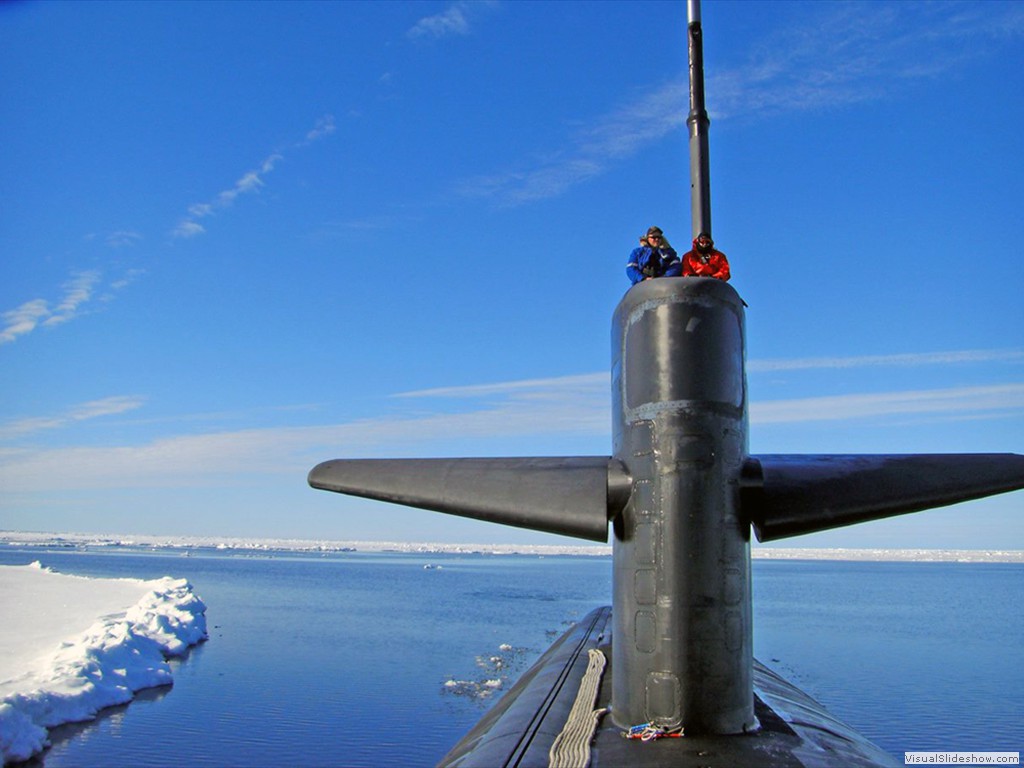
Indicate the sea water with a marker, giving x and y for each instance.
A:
(367, 659)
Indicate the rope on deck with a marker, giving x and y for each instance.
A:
(571, 748)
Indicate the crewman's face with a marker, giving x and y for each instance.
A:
(704, 242)
(654, 241)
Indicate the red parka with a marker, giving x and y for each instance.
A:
(707, 264)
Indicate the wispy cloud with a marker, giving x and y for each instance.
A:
(81, 289)
(324, 127)
(615, 136)
(77, 292)
(123, 238)
(586, 395)
(848, 53)
(574, 406)
(196, 460)
(358, 227)
(567, 404)
(537, 409)
(251, 182)
(583, 384)
(844, 54)
(188, 228)
(93, 409)
(453, 20)
(129, 277)
(39, 312)
(905, 360)
(979, 401)
(23, 319)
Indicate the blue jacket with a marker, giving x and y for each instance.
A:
(652, 262)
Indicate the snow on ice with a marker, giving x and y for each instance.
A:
(187, 543)
(70, 646)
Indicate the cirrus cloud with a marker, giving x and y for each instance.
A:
(39, 312)
(250, 182)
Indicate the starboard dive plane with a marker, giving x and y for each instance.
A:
(673, 655)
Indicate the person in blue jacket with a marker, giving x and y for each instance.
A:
(654, 258)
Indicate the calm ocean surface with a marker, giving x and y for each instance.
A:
(342, 660)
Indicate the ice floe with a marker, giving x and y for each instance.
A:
(70, 646)
(497, 670)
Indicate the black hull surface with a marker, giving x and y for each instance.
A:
(795, 730)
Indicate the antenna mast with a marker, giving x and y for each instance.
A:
(697, 121)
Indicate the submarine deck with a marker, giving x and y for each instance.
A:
(795, 730)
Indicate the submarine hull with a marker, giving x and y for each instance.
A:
(795, 730)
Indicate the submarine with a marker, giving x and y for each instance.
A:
(665, 675)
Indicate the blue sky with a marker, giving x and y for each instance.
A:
(242, 238)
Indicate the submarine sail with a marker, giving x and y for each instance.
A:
(679, 494)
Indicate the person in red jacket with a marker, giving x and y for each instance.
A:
(704, 260)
